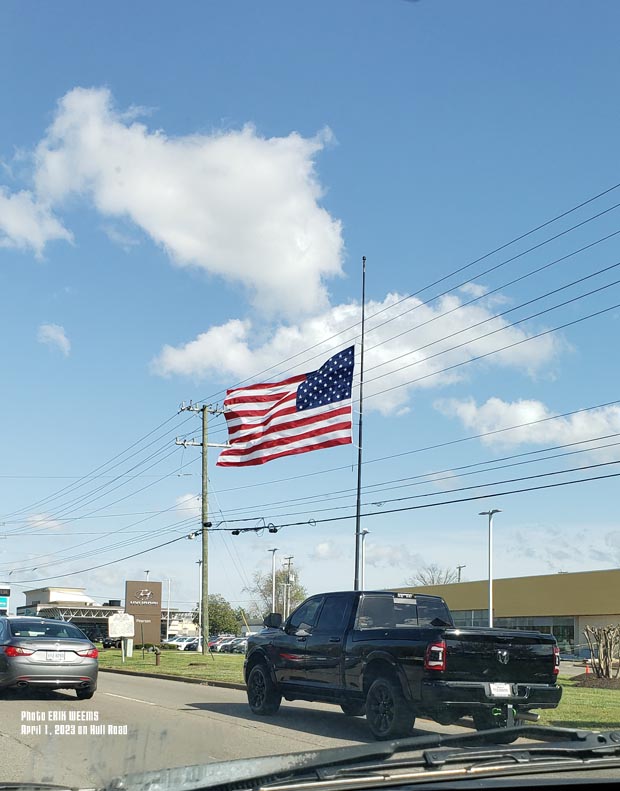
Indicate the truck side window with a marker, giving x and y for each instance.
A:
(334, 615)
(302, 620)
(433, 612)
(375, 612)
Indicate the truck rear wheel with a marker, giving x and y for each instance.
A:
(388, 713)
(263, 695)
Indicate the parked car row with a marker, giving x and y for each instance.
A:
(222, 643)
(234, 645)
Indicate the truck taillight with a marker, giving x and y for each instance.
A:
(556, 660)
(435, 656)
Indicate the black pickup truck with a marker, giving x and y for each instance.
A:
(393, 657)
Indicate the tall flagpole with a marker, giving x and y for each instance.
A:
(356, 582)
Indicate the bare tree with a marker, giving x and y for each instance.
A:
(604, 645)
(433, 575)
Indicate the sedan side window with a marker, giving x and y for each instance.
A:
(302, 620)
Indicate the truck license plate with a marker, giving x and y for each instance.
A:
(55, 656)
(501, 690)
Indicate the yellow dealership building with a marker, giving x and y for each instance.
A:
(562, 604)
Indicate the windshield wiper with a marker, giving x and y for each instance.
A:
(38, 787)
(386, 762)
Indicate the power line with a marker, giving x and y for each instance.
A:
(277, 366)
(431, 477)
(497, 316)
(341, 518)
(491, 332)
(85, 479)
(496, 351)
(488, 271)
(27, 564)
(471, 301)
(437, 494)
(101, 565)
(423, 449)
(314, 522)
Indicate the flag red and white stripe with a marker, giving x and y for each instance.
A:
(296, 415)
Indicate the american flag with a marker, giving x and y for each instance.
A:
(303, 413)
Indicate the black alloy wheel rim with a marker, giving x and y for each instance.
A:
(381, 705)
(258, 689)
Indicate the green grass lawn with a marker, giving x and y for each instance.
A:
(584, 708)
(216, 667)
(579, 707)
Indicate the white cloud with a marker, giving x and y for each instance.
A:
(496, 414)
(189, 504)
(395, 357)
(54, 335)
(121, 238)
(474, 289)
(26, 222)
(326, 550)
(569, 547)
(391, 555)
(445, 481)
(43, 522)
(234, 203)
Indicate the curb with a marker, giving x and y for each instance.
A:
(183, 679)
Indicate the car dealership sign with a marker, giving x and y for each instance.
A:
(143, 601)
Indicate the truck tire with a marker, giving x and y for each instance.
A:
(353, 708)
(484, 721)
(388, 713)
(263, 695)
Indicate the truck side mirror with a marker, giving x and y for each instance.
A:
(273, 620)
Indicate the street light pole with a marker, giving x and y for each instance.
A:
(363, 575)
(168, 611)
(200, 562)
(287, 594)
(490, 515)
(273, 578)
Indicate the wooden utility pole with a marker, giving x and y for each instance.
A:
(205, 410)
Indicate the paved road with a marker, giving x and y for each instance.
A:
(158, 724)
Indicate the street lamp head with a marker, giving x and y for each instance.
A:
(365, 532)
(491, 512)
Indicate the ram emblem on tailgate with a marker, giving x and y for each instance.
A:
(503, 657)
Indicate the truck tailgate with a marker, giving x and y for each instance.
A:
(499, 655)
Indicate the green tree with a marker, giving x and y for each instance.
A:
(222, 617)
(260, 590)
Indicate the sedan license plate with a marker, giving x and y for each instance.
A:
(55, 656)
(501, 690)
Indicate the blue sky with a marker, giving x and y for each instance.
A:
(185, 197)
